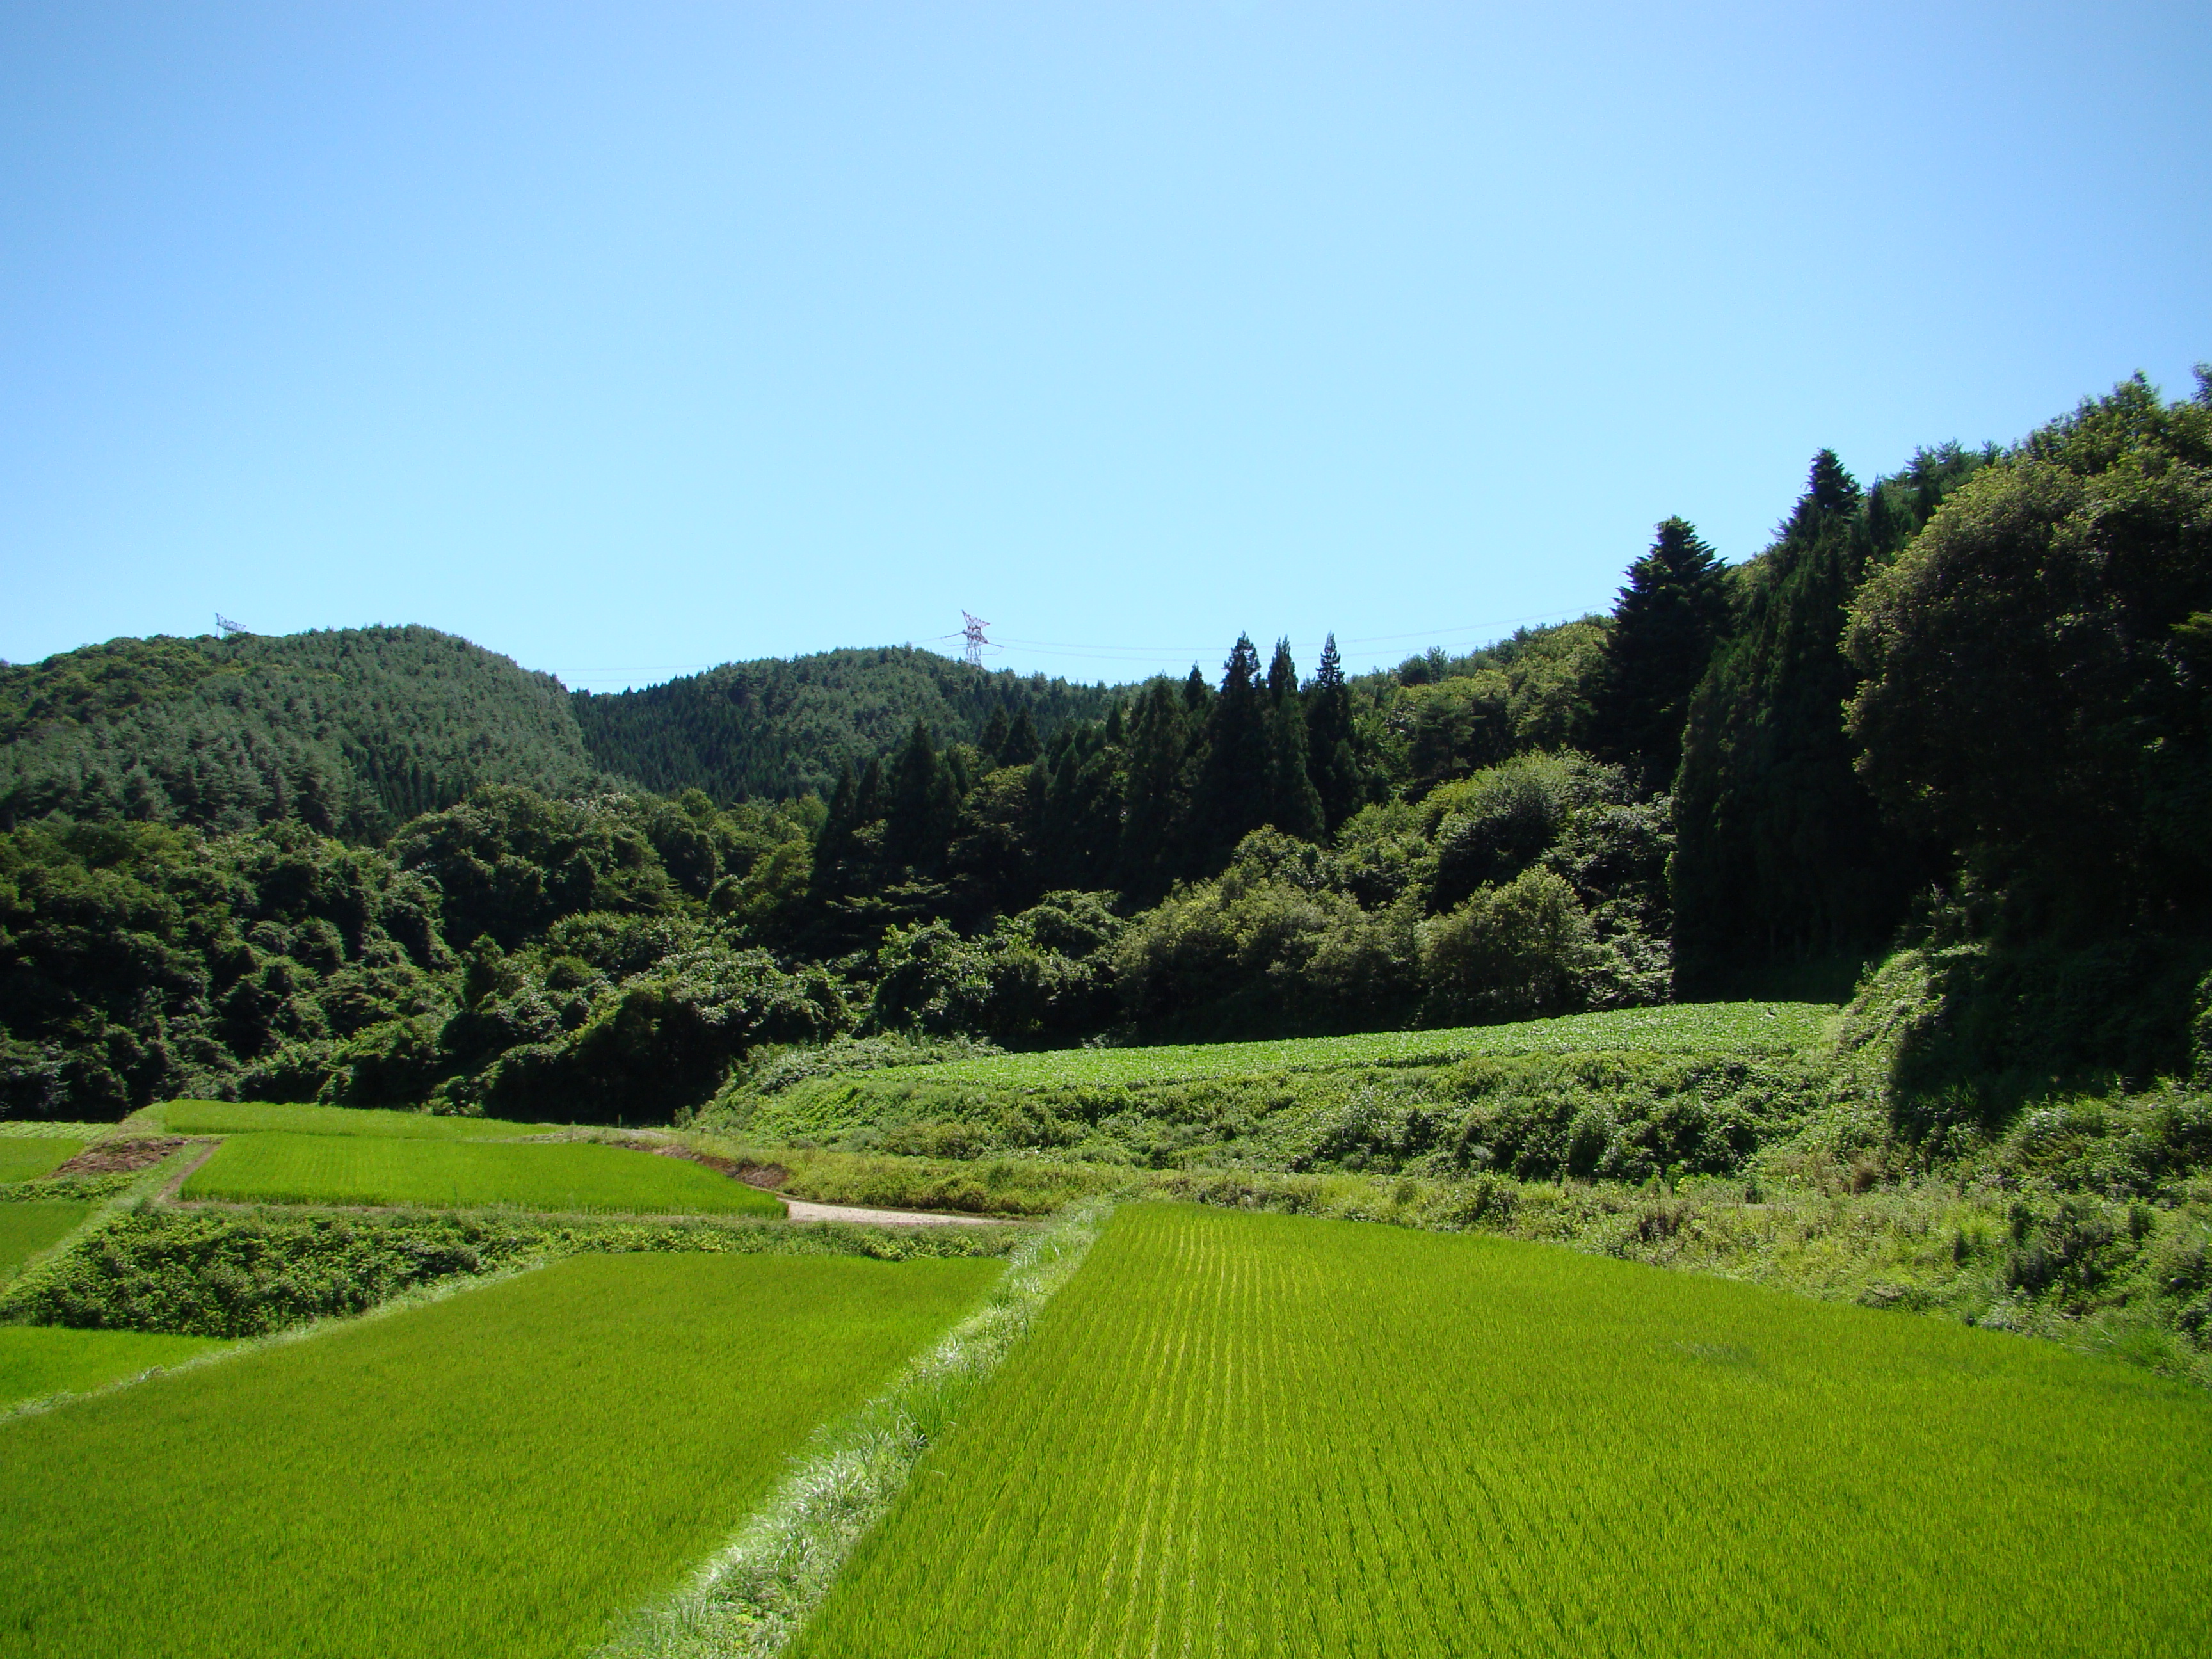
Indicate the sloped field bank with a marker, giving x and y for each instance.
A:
(1617, 1114)
(1266, 1435)
(498, 1474)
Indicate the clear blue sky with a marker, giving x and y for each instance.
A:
(633, 338)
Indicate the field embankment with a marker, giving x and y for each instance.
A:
(1265, 1435)
(501, 1472)
(1625, 1095)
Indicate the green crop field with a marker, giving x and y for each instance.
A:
(25, 1160)
(36, 1360)
(1246, 1434)
(561, 1175)
(224, 1117)
(502, 1472)
(1747, 1028)
(27, 1229)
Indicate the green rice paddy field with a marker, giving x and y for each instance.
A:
(499, 1473)
(27, 1229)
(24, 1159)
(560, 1175)
(1250, 1434)
(226, 1117)
(37, 1360)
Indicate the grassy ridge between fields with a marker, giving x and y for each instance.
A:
(498, 1474)
(1237, 1434)
(563, 1176)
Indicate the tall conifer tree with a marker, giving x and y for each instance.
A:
(1152, 827)
(1780, 857)
(1330, 753)
(1232, 797)
(1665, 626)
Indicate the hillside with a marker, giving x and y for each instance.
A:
(776, 729)
(352, 731)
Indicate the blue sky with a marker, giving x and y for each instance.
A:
(627, 340)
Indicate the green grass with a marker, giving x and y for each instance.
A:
(36, 1360)
(561, 1175)
(1250, 1434)
(500, 1473)
(26, 1160)
(1745, 1027)
(226, 1117)
(27, 1229)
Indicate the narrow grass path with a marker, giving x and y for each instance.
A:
(748, 1601)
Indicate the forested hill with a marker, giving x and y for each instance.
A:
(777, 729)
(352, 731)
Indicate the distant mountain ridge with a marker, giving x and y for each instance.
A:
(356, 731)
(352, 731)
(776, 728)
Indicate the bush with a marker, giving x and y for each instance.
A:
(1518, 951)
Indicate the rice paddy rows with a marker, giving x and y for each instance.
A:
(565, 1175)
(499, 1473)
(37, 1360)
(26, 1160)
(27, 1229)
(227, 1117)
(1238, 1434)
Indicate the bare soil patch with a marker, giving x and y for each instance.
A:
(769, 1175)
(121, 1156)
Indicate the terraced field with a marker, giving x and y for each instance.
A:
(1743, 1028)
(1239, 1434)
(25, 1159)
(37, 1360)
(27, 1229)
(226, 1117)
(566, 1176)
(499, 1473)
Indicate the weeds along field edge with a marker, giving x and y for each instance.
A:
(1248, 1434)
(511, 1468)
(752, 1597)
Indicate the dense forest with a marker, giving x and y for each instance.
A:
(1952, 729)
(778, 729)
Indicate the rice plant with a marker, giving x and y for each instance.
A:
(498, 1474)
(230, 1117)
(27, 1228)
(1246, 1434)
(23, 1159)
(568, 1175)
(38, 1360)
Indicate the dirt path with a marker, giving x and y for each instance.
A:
(800, 1209)
(175, 1182)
